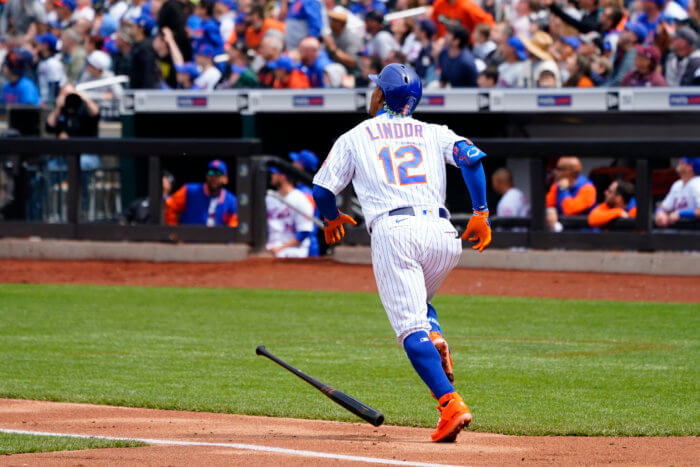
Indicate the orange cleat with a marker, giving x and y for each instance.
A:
(441, 345)
(454, 416)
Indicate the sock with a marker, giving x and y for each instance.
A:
(426, 361)
(432, 318)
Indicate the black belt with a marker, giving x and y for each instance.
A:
(408, 211)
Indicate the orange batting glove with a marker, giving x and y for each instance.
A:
(333, 230)
(478, 230)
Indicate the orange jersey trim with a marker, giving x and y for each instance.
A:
(175, 205)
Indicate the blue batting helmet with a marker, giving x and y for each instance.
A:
(401, 87)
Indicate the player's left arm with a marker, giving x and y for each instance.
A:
(468, 158)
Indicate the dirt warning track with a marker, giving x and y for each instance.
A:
(323, 274)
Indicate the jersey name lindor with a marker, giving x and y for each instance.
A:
(394, 130)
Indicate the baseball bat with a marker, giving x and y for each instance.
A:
(363, 411)
(276, 195)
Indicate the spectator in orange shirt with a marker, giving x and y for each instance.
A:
(619, 202)
(466, 12)
(287, 75)
(259, 25)
(571, 194)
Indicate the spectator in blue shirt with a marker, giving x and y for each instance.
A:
(313, 60)
(651, 17)
(210, 32)
(457, 65)
(303, 19)
(18, 89)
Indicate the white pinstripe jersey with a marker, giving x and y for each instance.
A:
(392, 162)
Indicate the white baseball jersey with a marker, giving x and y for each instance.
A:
(513, 203)
(283, 223)
(396, 162)
(683, 196)
(392, 162)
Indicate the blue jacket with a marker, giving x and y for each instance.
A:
(309, 11)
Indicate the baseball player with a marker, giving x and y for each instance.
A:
(397, 166)
(683, 200)
(288, 230)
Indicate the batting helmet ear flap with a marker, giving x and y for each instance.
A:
(411, 103)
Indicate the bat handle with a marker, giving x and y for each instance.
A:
(260, 350)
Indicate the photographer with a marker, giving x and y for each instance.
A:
(75, 114)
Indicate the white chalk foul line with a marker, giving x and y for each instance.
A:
(247, 447)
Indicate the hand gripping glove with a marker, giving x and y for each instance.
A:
(478, 230)
(333, 230)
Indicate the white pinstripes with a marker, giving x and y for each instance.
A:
(356, 157)
(411, 256)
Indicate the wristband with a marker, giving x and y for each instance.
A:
(686, 214)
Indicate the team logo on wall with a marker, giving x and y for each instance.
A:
(676, 100)
(307, 101)
(433, 101)
(554, 101)
(242, 102)
(612, 101)
(484, 102)
(188, 102)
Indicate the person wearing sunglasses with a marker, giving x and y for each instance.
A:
(208, 203)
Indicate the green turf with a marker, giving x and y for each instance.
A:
(12, 443)
(525, 366)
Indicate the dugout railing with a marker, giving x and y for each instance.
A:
(236, 152)
(248, 173)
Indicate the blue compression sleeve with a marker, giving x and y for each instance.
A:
(433, 320)
(687, 213)
(301, 236)
(426, 361)
(475, 178)
(325, 202)
(468, 158)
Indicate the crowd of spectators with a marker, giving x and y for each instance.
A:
(221, 44)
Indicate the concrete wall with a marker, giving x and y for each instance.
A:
(121, 251)
(672, 264)
(680, 264)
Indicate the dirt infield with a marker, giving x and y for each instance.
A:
(364, 443)
(329, 275)
(350, 439)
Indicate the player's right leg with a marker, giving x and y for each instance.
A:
(442, 253)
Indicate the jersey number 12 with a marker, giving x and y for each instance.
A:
(413, 163)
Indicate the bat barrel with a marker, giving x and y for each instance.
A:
(363, 411)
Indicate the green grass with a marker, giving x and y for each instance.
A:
(12, 443)
(524, 366)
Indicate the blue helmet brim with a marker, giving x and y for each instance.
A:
(374, 78)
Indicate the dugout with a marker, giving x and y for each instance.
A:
(287, 121)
